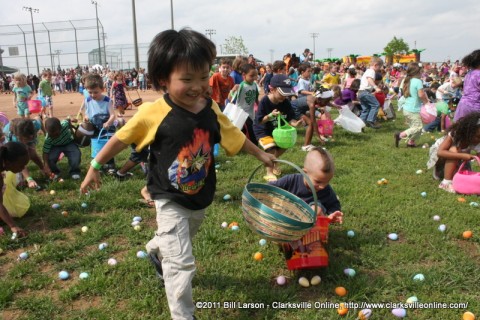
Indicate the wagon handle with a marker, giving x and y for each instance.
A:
(309, 182)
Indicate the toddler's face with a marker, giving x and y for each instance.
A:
(320, 179)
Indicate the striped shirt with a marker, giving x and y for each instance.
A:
(64, 138)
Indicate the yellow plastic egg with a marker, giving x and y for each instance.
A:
(304, 282)
(315, 280)
(52, 192)
(342, 309)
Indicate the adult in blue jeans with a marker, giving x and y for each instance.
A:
(369, 103)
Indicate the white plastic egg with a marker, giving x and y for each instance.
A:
(83, 275)
(137, 218)
(399, 312)
(227, 197)
(315, 280)
(350, 233)
(141, 254)
(442, 228)
(262, 242)
(23, 256)
(102, 245)
(281, 280)
(393, 236)
(419, 277)
(112, 261)
(304, 282)
(224, 224)
(63, 275)
(436, 218)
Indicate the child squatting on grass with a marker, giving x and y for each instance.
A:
(181, 128)
(449, 151)
(13, 157)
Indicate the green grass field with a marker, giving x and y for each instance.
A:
(226, 271)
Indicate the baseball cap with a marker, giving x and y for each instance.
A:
(283, 84)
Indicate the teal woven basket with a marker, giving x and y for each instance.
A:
(277, 214)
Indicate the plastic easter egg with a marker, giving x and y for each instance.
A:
(399, 312)
(419, 171)
(467, 234)
(83, 275)
(304, 282)
(52, 192)
(63, 275)
(349, 272)
(315, 280)
(379, 182)
(436, 218)
(468, 316)
(55, 206)
(393, 236)
(217, 166)
(364, 314)
(65, 213)
(224, 224)
(61, 180)
(102, 245)
(135, 223)
(342, 309)
(235, 228)
(423, 194)
(258, 256)
(2, 231)
(112, 262)
(412, 299)
(461, 199)
(350, 233)
(262, 242)
(1, 250)
(419, 277)
(14, 236)
(84, 229)
(23, 256)
(141, 254)
(84, 205)
(474, 204)
(340, 291)
(281, 280)
(232, 224)
(442, 228)
(137, 218)
(227, 197)
(137, 227)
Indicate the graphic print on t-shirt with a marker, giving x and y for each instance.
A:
(189, 170)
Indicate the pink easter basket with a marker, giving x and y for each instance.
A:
(325, 127)
(466, 181)
(34, 106)
(428, 112)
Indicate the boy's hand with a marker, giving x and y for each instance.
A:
(336, 217)
(19, 231)
(91, 181)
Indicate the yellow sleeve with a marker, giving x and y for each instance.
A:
(141, 129)
(232, 139)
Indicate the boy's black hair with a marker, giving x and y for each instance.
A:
(435, 85)
(472, 60)
(22, 127)
(52, 124)
(465, 129)
(11, 152)
(171, 48)
(246, 68)
(303, 67)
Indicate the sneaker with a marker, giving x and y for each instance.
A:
(447, 187)
(308, 148)
(75, 176)
(373, 125)
(120, 176)
(158, 266)
(397, 138)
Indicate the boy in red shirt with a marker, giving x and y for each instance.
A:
(221, 83)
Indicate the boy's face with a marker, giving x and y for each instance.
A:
(251, 76)
(96, 93)
(224, 70)
(277, 96)
(54, 133)
(377, 67)
(187, 86)
(320, 179)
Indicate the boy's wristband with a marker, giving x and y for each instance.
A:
(270, 116)
(95, 165)
(29, 179)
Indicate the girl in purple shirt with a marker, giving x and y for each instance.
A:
(470, 101)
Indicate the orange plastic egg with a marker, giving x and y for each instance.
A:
(342, 309)
(461, 199)
(258, 256)
(341, 291)
(467, 234)
(233, 224)
(468, 316)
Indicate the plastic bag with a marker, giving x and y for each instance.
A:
(235, 114)
(349, 121)
(16, 203)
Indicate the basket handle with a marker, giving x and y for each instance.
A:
(309, 182)
(465, 161)
(279, 121)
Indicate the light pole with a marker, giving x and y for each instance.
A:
(329, 51)
(98, 33)
(210, 32)
(171, 13)
(32, 10)
(135, 41)
(314, 35)
(57, 52)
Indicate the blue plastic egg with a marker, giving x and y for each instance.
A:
(393, 236)
(399, 312)
(84, 205)
(137, 218)
(102, 245)
(23, 256)
(141, 254)
(349, 272)
(350, 233)
(63, 275)
(55, 206)
(235, 228)
(227, 197)
(442, 228)
(262, 242)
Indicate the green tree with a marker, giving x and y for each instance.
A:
(234, 45)
(394, 49)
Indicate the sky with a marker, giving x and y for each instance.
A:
(269, 28)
